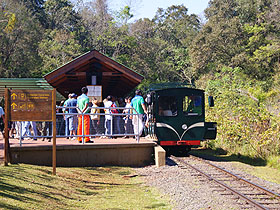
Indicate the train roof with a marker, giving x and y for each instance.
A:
(179, 90)
(170, 86)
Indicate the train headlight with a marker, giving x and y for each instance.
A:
(184, 126)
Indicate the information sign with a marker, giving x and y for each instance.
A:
(95, 91)
(31, 105)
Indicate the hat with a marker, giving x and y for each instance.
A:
(73, 95)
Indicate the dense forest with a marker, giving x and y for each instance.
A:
(234, 54)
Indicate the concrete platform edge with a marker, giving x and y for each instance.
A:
(160, 155)
(86, 155)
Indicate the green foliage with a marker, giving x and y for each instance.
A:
(220, 39)
(61, 15)
(11, 21)
(19, 40)
(245, 123)
(262, 51)
(158, 48)
(236, 57)
(59, 47)
(124, 15)
(36, 8)
(242, 34)
(162, 53)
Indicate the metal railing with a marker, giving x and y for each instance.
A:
(110, 125)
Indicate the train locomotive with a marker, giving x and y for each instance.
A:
(177, 118)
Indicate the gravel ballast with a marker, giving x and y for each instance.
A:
(187, 190)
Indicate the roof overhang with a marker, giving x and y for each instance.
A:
(115, 78)
(26, 84)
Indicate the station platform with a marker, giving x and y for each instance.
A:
(71, 153)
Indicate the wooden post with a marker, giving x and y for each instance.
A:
(54, 130)
(6, 130)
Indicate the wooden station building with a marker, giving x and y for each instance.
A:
(94, 68)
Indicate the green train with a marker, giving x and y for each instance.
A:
(177, 118)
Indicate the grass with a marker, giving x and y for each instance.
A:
(25, 186)
(255, 166)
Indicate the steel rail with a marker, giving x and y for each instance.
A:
(269, 192)
(222, 184)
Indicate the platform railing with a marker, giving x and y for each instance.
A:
(109, 131)
(112, 124)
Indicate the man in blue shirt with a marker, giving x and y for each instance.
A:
(73, 120)
(66, 116)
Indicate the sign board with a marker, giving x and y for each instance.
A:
(95, 91)
(31, 105)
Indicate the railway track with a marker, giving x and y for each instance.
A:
(254, 196)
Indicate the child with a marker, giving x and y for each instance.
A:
(95, 118)
(127, 120)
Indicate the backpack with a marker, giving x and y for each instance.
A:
(114, 110)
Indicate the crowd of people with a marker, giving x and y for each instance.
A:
(111, 118)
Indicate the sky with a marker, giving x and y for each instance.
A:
(148, 8)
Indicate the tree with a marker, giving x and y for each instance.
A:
(18, 46)
(61, 15)
(162, 51)
(107, 35)
(58, 48)
(97, 21)
(238, 34)
(220, 38)
(36, 7)
(124, 15)
(262, 51)
(7, 21)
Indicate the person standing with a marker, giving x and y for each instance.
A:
(121, 117)
(26, 130)
(116, 118)
(108, 116)
(95, 117)
(2, 120)
(127, 121)
(138, 104)
(72, 118)
(59, 119)
(66, 116)
(47, 130)
(83, 105)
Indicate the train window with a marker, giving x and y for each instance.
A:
(192, 105)
(167, 106)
